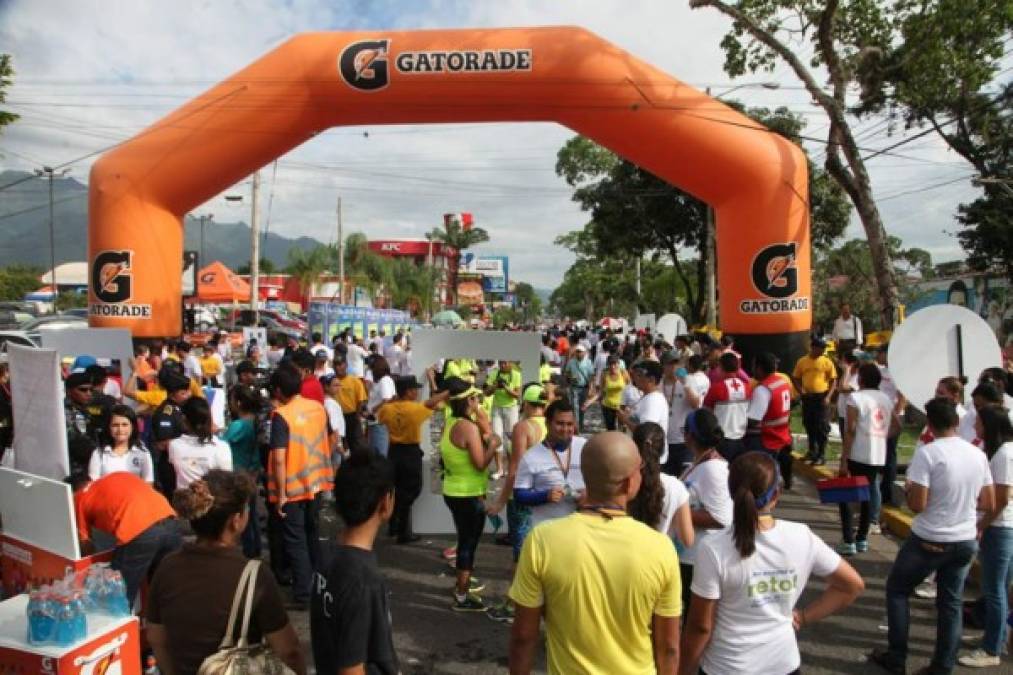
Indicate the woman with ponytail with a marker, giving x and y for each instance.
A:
(662, 501)
(192, 591)
(749, 577)
(710, 506)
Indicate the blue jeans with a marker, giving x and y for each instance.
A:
(996, 558)
(138, 559)
(886, 487)
(379, 439)
(577, 397)
(916, 560)
(297, 535)
(250, 538)
(865, 509)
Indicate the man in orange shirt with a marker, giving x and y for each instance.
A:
(141, 519)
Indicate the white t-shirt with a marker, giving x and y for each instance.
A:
(334, 415)
(755, 596)
(274, 356)
(1002, 474)
(848, 329)
(874, 414)
(136, 461)
(707, 484)
(679, 407)
(954, 471)
(676, 495)
(538, 470)
(381, 391)
(653, 408)
(356, 358)
(193, 459)
(887, 385)
(112, 388)
(395, 359)
(191, 367)
(630, 396)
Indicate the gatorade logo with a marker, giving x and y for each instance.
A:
(110, 276)
(363, 65)
(774, 270)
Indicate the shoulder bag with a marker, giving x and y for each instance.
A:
(242, 658)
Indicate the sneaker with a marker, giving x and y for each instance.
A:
(979, 658)
(874, 528)
(470, 603)
(927, 591)
(846, 549)
(503, 613)
(475, 586)
(862, 545)
(885, 660)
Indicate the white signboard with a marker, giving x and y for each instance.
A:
(671, 326)
(102, 343)
(936, 342)
(39, 511)
(258, 334)
(429, 513)
(40, 435)
(644, 321)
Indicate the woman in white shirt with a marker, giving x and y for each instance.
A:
(662, 501)
(197, 451)
(996, 551)
(847, 384)
(125, 452)
(381, 390)
(749, 577)
(867, 426)
(710, 504)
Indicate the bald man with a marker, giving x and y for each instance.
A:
(599, 578)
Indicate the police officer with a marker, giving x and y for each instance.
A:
(101, 403)
(83, 436)
(167, 424)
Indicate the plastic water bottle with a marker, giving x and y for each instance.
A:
(35, 618)
(64, 633)
(80, 617)
(116, 598)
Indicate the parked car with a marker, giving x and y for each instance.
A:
(35, 327)
(269, 319)
(15, 337)
(80, 312)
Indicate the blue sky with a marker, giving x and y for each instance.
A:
(93, 72)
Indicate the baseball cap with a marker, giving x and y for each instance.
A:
(82, 362)
(327, 379)
(405, 383)
(535, 393)
(649, 368)
(245, 367)
(580, 347)
(670, 357)
(77, 379)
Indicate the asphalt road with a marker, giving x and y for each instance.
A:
(430, 638)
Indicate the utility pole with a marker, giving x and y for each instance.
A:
(49, 173)
(206, 219)
(636, 311)
(341, 257)
(710, 250)
(255, 251)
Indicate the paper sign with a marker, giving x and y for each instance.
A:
(40, 434)
(259, 334)
(670, 326)
(644, 321)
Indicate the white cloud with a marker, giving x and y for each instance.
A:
(91, 72)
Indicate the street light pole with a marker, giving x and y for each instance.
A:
(341, 257)
(49, 173)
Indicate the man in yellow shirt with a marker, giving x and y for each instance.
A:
(607, 585)
(351, 397)
(815, 376)
(403, 417)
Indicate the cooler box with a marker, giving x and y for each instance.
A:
(23, 565)
(111, 648)
(843, 490)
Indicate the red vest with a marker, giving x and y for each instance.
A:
(775, 431)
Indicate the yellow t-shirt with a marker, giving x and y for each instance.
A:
(211, 366)
(403, 420)
(815, 374)
(613, 390)
(351, 394)
(154, 397)
(590, 573)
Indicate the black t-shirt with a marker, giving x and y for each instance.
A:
(350, 615)
(166, 422)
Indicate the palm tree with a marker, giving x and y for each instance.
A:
(306, 265)
(364, 267)
(453, 236)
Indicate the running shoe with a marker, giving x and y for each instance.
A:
(862, 545)
(470, 603)
(927, 591)
(979, 658)
(475, 586)
(875, 528)
(502, 613)
(846, 549)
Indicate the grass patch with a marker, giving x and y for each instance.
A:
(905, 446)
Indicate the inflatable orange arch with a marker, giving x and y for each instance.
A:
(755, 180)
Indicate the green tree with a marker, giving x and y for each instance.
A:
(841, 34)
(70, 300)
(454, 236)
(266, 267)
(306, 265)
(17, 280)
(503, 317)
(364, 267)
(6, 73)
(528, 302)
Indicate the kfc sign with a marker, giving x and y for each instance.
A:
(390, 247)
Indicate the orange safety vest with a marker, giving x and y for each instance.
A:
(308, 467)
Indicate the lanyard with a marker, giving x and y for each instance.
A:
(566, 471)
(711, 454)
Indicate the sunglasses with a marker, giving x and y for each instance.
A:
(84, 389)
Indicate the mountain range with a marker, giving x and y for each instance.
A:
(24, 222)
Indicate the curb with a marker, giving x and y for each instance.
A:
(898, 522)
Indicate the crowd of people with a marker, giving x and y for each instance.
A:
(648, 545)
